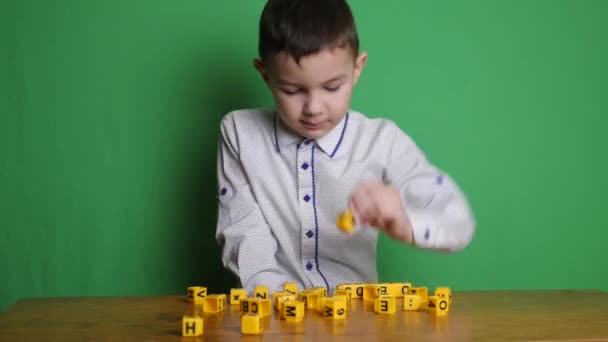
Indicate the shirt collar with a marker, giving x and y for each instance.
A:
(330, 143)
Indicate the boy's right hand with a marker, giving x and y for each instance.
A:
(379, 206)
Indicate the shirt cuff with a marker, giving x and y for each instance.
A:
(424, 229)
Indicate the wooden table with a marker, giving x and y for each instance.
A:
(474, 316)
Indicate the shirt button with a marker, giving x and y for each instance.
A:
(309, 266)
(307, 142)
(310, 234)
(305, 166)
(307, 198)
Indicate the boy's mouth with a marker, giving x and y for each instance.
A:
(313, 125)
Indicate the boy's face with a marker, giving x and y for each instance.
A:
(313, 96)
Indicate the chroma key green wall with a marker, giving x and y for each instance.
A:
(109, 112)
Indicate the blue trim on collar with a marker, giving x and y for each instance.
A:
(341, 136)
(276, 136)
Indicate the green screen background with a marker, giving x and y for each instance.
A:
(109, 114)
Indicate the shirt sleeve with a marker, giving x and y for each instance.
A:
(247, 243)
(438, 210)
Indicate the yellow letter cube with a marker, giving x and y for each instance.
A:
(321, 304)
(356, 289)
(279, 300)
(215, 303)
(346, 222)
(310, 299)
(334, 308)
(251, 305)
(192, 326)
(322, 291)
(236, 295)
(197, 294)
(398, 290)
(345, 293)
(265, 307)
(293, 310)
(444, 292)
(438, 306)
(372, 291)
(421, 292)
(385, 304)
(411, 302)
(291, 288)
(261, 292)
(252, 324)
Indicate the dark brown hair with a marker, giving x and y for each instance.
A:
(304, 27)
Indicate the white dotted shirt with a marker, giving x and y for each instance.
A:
(280, 195)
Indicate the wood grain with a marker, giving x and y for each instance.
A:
(474, 316)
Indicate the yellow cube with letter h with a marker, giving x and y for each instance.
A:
(192, 326)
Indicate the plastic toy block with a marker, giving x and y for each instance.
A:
(411, 303)
(345, 293)
(236, 295)
(385, 304)
(265, 307)
(251, 305)
(371, 291)
(261, 292)
(215, 303)
(310, 299)
(438, 306)
(398, 290)
(356, 289)
(279, 300)
(321, 290)
(444, 292)
(197, 294)
(321, 304)
(276, 297)
(421, 292)
(293, 311)
(291, 288)
(334, 308)
(346, 222)
(192, 326)
(252, 324)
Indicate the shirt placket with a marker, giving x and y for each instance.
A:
(308, 233)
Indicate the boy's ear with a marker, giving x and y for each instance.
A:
(359, 64)
(259, 66)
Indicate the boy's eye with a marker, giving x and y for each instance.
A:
(289, 91)
(332, 88)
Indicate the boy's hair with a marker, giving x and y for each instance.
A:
(305, 27)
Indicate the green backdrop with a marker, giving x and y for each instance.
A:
(109, 112)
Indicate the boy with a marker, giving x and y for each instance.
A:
(286, 174)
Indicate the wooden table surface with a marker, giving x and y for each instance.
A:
(474, 316)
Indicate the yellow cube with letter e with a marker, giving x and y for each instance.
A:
(385, 304)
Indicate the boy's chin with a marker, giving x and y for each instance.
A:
(314, 133)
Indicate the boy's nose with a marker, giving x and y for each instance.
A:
(313, 107)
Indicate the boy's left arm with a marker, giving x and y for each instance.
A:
(416, 203)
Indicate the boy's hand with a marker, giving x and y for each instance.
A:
(378, 205)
